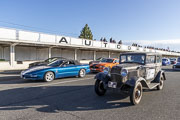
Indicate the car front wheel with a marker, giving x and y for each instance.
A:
(49, 76)
(136, 94)
(82, 73)
(99, 88)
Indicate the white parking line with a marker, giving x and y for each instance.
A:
(10, 75)
(62, 82)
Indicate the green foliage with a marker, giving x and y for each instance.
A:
(86, 33)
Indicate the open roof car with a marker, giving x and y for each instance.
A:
(135, 72)
(106, 62)
(45, 62)
(96, 61)
(56, 69)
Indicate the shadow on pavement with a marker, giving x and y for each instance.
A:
(60, 98)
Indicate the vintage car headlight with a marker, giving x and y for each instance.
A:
(124, 72)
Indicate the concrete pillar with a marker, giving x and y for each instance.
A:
(109, 54)
(94, 55)
(2, 53)
(49, 52)
(12, 54)
(75, 54)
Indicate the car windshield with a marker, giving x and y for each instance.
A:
(173, 59)
(107, 60)
(164, 59)
(49, 60)
(132, 58)
(178, 60)
(56, 63)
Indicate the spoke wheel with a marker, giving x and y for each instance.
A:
(99, 88)
(49, 76)
(136, 94)
(161, 84)
(82, 73)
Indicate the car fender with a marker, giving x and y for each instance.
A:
(132, 82)
(104, 77)
(159, 75)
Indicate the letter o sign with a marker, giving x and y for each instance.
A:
(129, 47)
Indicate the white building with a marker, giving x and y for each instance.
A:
(18, 48)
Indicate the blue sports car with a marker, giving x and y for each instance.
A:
(56, 69)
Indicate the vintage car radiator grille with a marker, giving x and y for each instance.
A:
(116, 74)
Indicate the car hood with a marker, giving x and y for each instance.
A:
(35, 69)
(102, 64)
(38, 63)
(129, 65)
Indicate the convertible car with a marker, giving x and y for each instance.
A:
(97, 61)
(105, 63)
(45, 62)
(56, 69)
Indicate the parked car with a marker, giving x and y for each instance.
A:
(97, 61)
(56, 69)
(107, 62)
(135, 72)
(173, 60)
(165, 62)
(177, 65)
(45, 62)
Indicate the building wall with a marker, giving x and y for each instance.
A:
(102, 54)
(5, 53)
(66, 53)
(24, 53)
(85, 55)
(114, 55)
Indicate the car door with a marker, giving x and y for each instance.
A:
(67, 69)
(150, 67)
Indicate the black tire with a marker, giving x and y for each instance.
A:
(160, 87)
(99, 88)
(49, 76)
(82, 73)
(136, 94)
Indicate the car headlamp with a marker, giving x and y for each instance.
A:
(101, 67)
(124, 72)
(106, 69)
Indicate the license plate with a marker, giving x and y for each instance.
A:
(112, 84)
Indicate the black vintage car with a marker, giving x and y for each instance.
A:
(135, 72)
(45, 62)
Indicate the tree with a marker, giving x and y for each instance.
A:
(86, 33)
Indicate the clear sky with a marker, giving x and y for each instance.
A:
(127, 20)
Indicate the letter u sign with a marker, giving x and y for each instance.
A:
(88, 43)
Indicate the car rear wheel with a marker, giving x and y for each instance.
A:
(49, 76)
(161, 84)
(99, 88)
(136, 94)
(82, 73)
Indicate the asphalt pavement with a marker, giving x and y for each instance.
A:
(74, 99)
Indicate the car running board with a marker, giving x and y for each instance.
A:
(152, 85)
